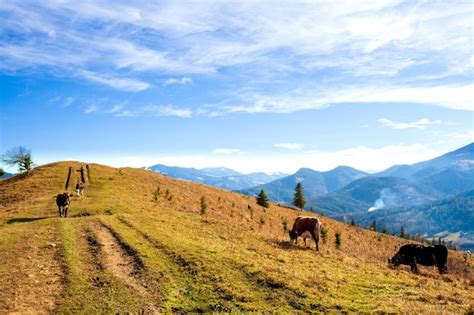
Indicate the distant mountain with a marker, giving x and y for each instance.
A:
(373, 193)
(220, 177)
(451, 217)
(220, 171)
(433, 166)
(6, 175)
(315, 183)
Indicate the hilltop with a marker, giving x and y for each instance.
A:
(129, 247)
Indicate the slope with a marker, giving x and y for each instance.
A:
(139, 253)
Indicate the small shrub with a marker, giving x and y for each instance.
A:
(203, 205)
(262, 221)
(156, 194)
(170, 197)
(284, 222)
(324, 235)
(338, 240)
(233, 204)
(167, 193)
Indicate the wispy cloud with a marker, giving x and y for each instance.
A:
(289, 146)
(125, 84)
(226, 151)
(150, 110)
(467, 135)
(179, 81)
(90, 109)
(419, 124)
(390, 51)
(450, 96)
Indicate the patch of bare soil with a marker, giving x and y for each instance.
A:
(35, 281)
(122, 262)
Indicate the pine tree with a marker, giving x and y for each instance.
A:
(402, 232)
(373, 227)
(299, 200)
(262, 199)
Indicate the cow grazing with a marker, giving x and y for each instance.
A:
(80, 189)
(306, 227)
(63, 200)
(412, 254)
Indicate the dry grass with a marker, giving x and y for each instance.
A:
(229, 258)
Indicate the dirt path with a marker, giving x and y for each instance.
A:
(122, 264)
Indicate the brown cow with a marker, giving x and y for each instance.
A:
(306, 227)
(63, 200)
(80, 189)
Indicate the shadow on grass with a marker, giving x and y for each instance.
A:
(290, 246)
(24, 220)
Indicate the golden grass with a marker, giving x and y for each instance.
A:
(231, 258)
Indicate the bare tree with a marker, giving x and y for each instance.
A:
(19, 156)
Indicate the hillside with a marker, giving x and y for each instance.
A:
(374, 193)
(427, 168)
(445, 217)
(315, 183)
(121, 250)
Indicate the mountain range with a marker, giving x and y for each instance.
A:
(220, 177)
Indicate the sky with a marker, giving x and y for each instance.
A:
(267, 86)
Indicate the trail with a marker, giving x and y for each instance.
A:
(122, 265)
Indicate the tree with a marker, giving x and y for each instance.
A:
(19, 156)
(203, 204)
(402, 232)
(338, 239)
(353, 223)
(262, 199)
(299, 199)
(373, 226)
(2, 172)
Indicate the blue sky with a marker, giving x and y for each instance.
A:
(267, 86)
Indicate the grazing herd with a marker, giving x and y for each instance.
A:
(310, 227)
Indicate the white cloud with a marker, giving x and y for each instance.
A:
(226, 151)
(420, 124)
(468, 135)
(179, 81)
(289, 146)
(167, 110)
(125, 84)
(90, 109)
(451, 96)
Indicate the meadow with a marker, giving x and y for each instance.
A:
(138, 241)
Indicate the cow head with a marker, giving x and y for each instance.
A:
(293, 235)
(396, 260)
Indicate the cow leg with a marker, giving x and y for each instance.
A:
(305, 242)
(59, 210)
(413, 267)
(65, 211)
(316, 240)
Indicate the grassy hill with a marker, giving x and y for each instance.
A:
(123, 251)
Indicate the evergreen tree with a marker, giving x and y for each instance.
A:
(2, 172)
(373, 226)
(353, 223)
(299, 200)
(19, 156)
(402, 232)
(262, 199)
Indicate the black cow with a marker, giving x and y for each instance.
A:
(412, 254)
(63, 200)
